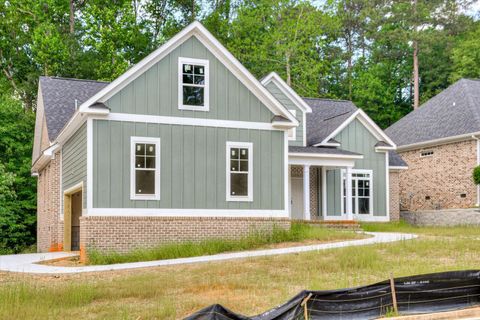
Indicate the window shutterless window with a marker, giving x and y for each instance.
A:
(362, 201)
(145, 168)
(193, 84)
(239, 171)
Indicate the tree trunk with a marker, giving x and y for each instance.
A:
(288, 69)
(72, 17)
(416, 93)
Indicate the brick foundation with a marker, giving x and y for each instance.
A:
(49, 225)
(122, 234)
(439, 181)
(394, 196)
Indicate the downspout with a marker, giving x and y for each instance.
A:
(478, 163)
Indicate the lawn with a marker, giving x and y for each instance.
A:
(247, 286)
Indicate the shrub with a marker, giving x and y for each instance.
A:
(476, 175)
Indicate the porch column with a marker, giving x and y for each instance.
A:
(348, 195)
(306, 192)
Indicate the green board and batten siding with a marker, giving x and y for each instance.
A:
(287, 103)
(74, 161)
(356, 138)
(192, 166)
(155, 92)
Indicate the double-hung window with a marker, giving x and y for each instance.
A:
(239, 171)
(193, 84)
(145, 168)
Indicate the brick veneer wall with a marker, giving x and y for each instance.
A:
(122, 234)
(394, 196)
(49, 226)
(443, 176)
(297, 171)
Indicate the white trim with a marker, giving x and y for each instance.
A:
(213, 45)
(306, 192)
(478, 163)
(363, 217)
(205, 86)
(187, 121)
(287, 91)
(397, 168)
(286, 173)
(75, 188)
(89, 163)
(321, 161)
(294, 129)
(61, 185)
(368, 123)
(439, 141)
(330, 144)
(133, 194)
(324, 192)
(153, 212)
(387, 186)
(304, 129)
(249, 146)
(370, 200)
(325, 155)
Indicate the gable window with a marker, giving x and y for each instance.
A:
(426, 153)
(145, 168)
(292, 133)
(193, 88)
(239, 171)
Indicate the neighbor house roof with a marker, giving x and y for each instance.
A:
(327, 115)
(453, 112)
(394, 160)
(59, 95)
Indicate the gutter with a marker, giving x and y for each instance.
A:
(439, 141)
(47, 155)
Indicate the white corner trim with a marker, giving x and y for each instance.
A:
(367, 122)
(206, 85)
(304, 119)
(387, 186)
(218, 50)
(324, 192)
(89, 163)
(287, 91)
(133, 193)
(187, 121)
(249, 146)
(286, 173)
(153, 212)
(294, 129)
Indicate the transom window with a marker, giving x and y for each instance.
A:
(239, 171)
(193, 89)
(361, 192)
(145, 168)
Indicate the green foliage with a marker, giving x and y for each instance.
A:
(476, 175)
(466, 55)
(298, 232)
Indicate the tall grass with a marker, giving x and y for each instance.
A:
(298, 232)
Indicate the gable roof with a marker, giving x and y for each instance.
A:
(218, 50)
(286, 90)
(327, 115)
(59, 96)
(453, 112)
(395, 160)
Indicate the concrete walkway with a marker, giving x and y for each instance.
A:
(27, 263)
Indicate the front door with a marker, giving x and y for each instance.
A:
(76, 213)
(296, 198)
(361, 193)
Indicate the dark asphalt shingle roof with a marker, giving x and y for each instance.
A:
(454, 111)
(327, 115)
(321, 150)
(59, 96)
(395, 160)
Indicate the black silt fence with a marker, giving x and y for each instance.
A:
(427, 293)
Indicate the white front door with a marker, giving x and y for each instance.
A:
(296, 198)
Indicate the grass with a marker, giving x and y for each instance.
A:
(247, 286)
(299, 232)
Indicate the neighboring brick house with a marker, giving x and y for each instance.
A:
(188, 145)
(440, 143)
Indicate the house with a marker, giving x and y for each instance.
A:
(440, 143)
(188, 145)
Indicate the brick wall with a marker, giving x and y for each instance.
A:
(122, 234)
(49, 226)
(443, 177)
(394, 195)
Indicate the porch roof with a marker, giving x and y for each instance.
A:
(323, 150)
(322, 156)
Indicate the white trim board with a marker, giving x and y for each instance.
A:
(152, 212)
(438, 142)
(215, 47)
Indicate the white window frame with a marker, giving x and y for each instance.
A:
(206, 86)
(343, 174)
(249, 146)
(133, 194)
(294, 129)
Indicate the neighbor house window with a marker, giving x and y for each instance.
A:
(193, 88)
(361, 192)
(145, 168)
(292, 133)
(426, 153)
(239, 171)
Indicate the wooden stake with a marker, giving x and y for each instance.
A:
(304, 305)
(394, 295)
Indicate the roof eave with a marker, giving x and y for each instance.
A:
(439, 141)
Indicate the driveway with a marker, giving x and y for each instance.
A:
(28, 263)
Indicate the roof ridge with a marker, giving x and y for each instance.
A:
(327, 99)
(74, 79)
(471, 103)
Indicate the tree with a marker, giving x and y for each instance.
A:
(466, 55)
